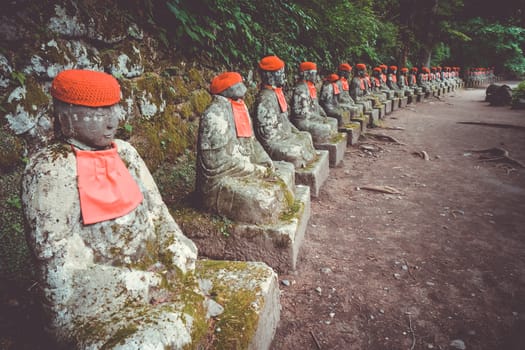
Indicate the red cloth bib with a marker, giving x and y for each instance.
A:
(344, 82)
(243, 126)
(336, 89)
(394, 78)
(362, 83)
(312, 89)
(106, 188)
(280, 97)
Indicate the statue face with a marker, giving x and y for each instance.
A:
(361, 73)
(310, 75)
(345, 74)
(94, 127)
(279, 77)
(235, 92)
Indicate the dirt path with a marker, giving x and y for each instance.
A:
(442, 261)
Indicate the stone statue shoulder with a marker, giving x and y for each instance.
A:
(216, 124)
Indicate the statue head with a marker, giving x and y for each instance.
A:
(228, 84)
(308, 71)
(272, 73)
(86, 106)
(344, 70)
(404, 71)
(392, 69)
(383, 68)
(376, 72)
(361, 69)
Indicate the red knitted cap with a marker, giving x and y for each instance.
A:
(383, 66)
(413, 69)
(333, 78)
(345, 67)
(224, 81)
(393, 67)
(86, 88)
(377, 69)
(271, 63)
(361, 66)
(404, 69)
(307, 66)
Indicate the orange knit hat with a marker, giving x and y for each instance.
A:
(307, 66)
(224, 81)
(333, 78)
(414, 69)
(345, 67)
(86, 88)
(377, 69)
(404, 69)
(361, 66)
(393, 67)
(271, 63)
(383, 66)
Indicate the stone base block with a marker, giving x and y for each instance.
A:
(277, 244)
(373, 118)
(352, 130)
(420, 97)
(403, 102)
(411, 99)
(388, 106)
(363, 122)
(382, 111)
(395, 103)
(249, 294)
(315, 174)
(336, 148)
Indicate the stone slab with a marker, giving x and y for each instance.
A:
(336, 148)
(382, 111)
(420, 97)
(403, 102)
(315, 174)
(275, 244)
(249, 293)
(353, 131)
(395, 103)
(388, 106)
(363, 122)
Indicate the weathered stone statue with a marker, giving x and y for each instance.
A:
(279, 137)
(236, 178)
(391, 81)
(344, 97)
(307, 114)
(329, 100)
(358, 88)
(402, 83)
(107, 249)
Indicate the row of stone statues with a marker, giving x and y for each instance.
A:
(111, 259)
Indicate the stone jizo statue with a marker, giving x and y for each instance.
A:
(307, 114)
(107, 249)
(344, 71)
(329, 100)
(236, 178)
(279, 137)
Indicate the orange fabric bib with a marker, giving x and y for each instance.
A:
(280, 97)
(106, 188)
(344, 82)
(311, 89)
(336, 89)
(243, 127)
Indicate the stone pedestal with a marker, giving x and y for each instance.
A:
(382, 111)
(420, 97)
(336, 147)
(249, 294)
(315, 174)
(388, 106)
(277, 244)
(352, 130)
(363, 122)
(395, 103)
(403, 102)
(373, 117)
